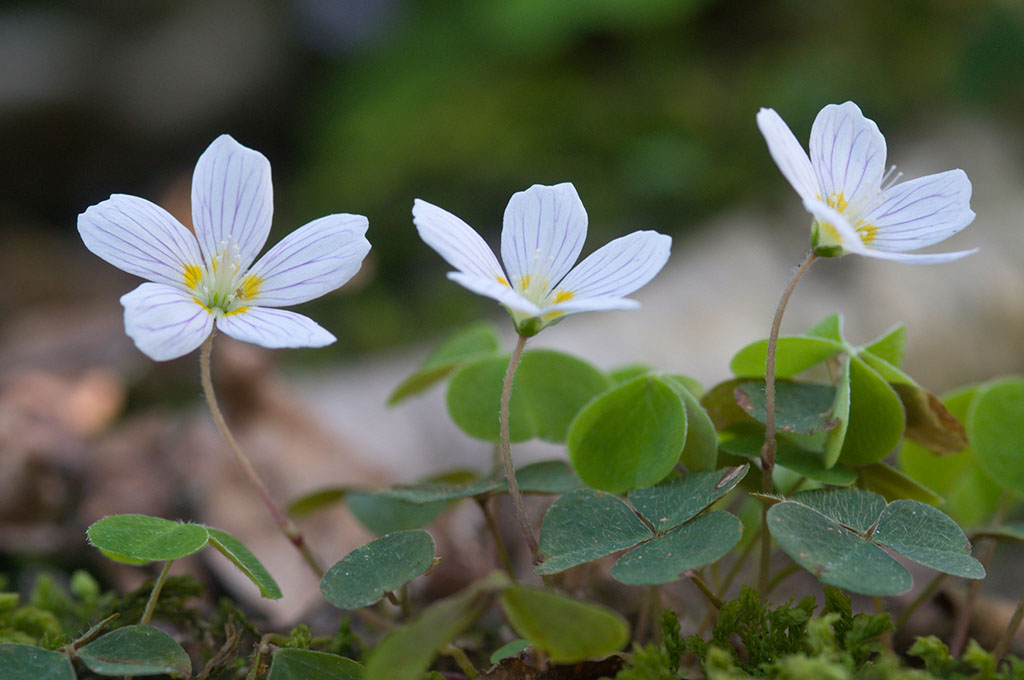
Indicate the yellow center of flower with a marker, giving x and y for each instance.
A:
(222, 289)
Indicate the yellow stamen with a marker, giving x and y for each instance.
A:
(837, 201)
(563, 296)
(524, 283)
(200, 303)
(250, 287)
(193, 275)
(867, 232)
(240, 310)
(503, 281)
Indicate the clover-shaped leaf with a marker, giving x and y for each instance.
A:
(793, 355)
(694, 544)
(701, 449)
(874, 423)
(801, 408)
(549, 390)
(836, 534)
(473, 342)
(138, 539)
(302, 664)
(629, 437)
(565, 628)
(995, 422)
(136, 650)
(746, 441)
(27, 662)
(585, 525)
(363, 576)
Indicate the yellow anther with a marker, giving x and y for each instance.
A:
(193, 275)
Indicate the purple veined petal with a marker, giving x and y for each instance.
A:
(141, 238)
(455, 241)
(618, 268)
(498, 291)
(165, 322)
(542, 234)
(920, 212)
(274, 328)
(312, 260)
(918, 258)
(232, 199)
(847, 154)
(788, 154)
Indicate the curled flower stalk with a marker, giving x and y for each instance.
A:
(859, 207)
(542, 236)
(196, 282)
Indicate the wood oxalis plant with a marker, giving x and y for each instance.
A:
(861, 468)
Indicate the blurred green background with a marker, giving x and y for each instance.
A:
(646, 105)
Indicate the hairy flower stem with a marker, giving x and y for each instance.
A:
(506, 450)
(768, 450)
(158, 585)
(921, 598)
(286, 526)
(499, 543)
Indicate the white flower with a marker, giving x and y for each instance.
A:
(198, 282)
(858, 207)
(541, 238)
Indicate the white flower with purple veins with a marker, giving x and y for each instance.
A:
(541, 238)
(858, 206)
(198, 281)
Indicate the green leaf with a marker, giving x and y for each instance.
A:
(701, 449)
(622, 374)
(840, 410)
(829, 328)
(682, 498)
(854, 509)
(793, 355)
(137, 539)
(876, 417)
(886, 480)
(834, 554)
(136, 650)
(312, 502)
(548, 391)
(720, 404)
(471, 343)
(995, 424)
(701, 541)
(565, 628)
(548, 476)
(552, 476)
(383, 515)
(1012, 532)
(929, 537)
(363, 576)
(508, 649)
(971, 496)
(584, 525)
(27, 662)
(747, 442)
(303, 664)
(890, 346)
(802, 408)
(405, 654)
(929, 422)
(242, 557)
(629, 437)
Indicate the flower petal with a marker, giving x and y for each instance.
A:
(312, 260)
(847, 235)
(618, 268)
(595, 304)
(232, 199)
(499, 291)
(455, 241)
(274, 328)
(847, 154)
(165, 322)
(918, 258)
(141, 238)
(542, 235)
(788, 154)
(920, 212)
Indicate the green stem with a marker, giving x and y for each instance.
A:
(285, 524)
(506, 450)
(768, 450)
(705, 589)
(158, 585)
(741, 559)
(1011, 630)
(779, 577)
(499, 543)
(461, 659)
(921, 598)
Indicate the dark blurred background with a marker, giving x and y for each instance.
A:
(362, 105)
